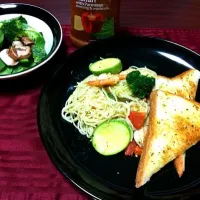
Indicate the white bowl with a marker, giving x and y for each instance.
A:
(42, 21)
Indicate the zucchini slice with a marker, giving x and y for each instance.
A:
(111, 137)
(107, 65)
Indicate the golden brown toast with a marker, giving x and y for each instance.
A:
(184, 85)
(173, 128)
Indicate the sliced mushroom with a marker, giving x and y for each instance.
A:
(27, 41)
(19, 52)
(6, 58)
(23, 52)
(13, 53)
(17, 43)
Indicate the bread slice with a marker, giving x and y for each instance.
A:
(173, 128)
(184, 85)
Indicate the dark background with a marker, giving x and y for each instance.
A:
(136, 13)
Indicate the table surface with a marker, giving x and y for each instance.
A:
(136, 13)
(17, 180)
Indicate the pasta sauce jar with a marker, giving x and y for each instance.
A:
(93, 19)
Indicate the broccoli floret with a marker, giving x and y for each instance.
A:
(13, 29)
(140, 85)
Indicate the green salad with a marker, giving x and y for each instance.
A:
(21, 46)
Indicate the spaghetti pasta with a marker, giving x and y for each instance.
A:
(88, 106)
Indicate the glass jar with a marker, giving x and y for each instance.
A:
(93, 19)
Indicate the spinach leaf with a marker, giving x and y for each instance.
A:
(1, 38)
(6, 70)
(18, 68)
(38, 49)
(2, 65)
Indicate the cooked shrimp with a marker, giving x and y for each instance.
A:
(107, 81)
(113, 80)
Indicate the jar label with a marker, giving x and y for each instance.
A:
(93, 19)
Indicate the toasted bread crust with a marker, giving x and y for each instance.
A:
(179, 164)
(140, 175)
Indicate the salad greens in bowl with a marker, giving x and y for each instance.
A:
(29, 38)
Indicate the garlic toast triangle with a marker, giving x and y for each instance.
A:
(184, 85)
(174, 126)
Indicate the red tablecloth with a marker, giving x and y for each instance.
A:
(26, 172)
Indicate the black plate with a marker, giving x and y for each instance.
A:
(113, 178)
